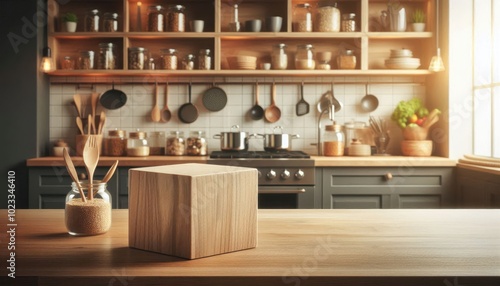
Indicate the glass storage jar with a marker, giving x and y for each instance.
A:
(169, 59)
(92, 21)
(333, 141)
(196, 144)
(348, 22)
(86, 60)
(115, 144)
(279, 57)
(175, 143)
(106, 59)
(68, 63)
(188, 62)
(137, 58)
(176, 20)
(304, 58)
(156, 142)
(156, 20)
(327, 17)
(204, 59)
(110, 22)
(91, 216)
(137, 144)
(302, 18)
(346, 60)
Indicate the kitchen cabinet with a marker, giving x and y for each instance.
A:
(48, 186)
(370, 43)
(477, 189)
(384, 188)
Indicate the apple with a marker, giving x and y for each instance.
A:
(413, 119)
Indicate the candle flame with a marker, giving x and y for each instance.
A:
(139, 4)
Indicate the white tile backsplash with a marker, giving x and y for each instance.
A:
(136, 114)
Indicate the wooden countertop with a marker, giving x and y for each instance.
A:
(295, 247)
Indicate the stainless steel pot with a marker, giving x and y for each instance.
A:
(233, 141)
(278, 141)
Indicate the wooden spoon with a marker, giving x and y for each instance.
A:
(93, 101)
(79, 123)
(102, 120)
(165, 112)
(272, 113)
(90, 158)
(77, 99)
(72, 173)
(156, 113)
(110, 172)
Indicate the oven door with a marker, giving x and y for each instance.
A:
(286, 197)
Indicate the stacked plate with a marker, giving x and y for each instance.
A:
(242, 62)
(402, 59)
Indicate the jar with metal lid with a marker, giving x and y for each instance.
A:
(176, 20)
(346, 60)
(86, 60)
(327, 17)
(68, 63)
(333, 140)
(156, 140)
(92, 21)
(169, 59)
(156, 20)
(110, 22)
(304, 58)
(106, 59)
(279, 57)
(175, 143)
(348, 22)
(204, 60)
(88, 215)
(196, 144)
(137, 58)
(188, 62)
(115, 144)
(137, 144)
(302, 18)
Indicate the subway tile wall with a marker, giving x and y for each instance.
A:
(136, 114)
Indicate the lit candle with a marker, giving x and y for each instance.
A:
(139, 21)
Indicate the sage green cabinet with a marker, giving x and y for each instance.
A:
(477, 189)
(384, 188)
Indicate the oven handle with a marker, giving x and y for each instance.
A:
(263, 190)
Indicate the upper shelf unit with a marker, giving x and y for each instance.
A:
(370, 42)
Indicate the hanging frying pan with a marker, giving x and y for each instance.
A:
(214, 98)
(188, 113)
(113, 98)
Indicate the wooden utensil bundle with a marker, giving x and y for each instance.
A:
(95, 123)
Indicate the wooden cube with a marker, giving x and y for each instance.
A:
(193, 210)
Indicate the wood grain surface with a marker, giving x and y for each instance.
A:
(296, 247)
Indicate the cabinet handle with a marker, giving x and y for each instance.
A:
(388, 176)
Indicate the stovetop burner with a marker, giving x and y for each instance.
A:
(259, 154)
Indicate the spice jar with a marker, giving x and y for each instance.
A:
(348, 22)
(333, 141)
(176, 20)
(92, 21)
(304, 58)
(188, 62)
(137, 144)
(137, 58)
(302, 18)
(175, 143)
(156, 20)
(116, 143)
(106, 59)
(110, 22)
(346, 60)
(90, 217)
(68, 63)
(328, 18)
(86, 60)
(279, 58)
(169, 59)
(204, 60)
(196, 144)
(156, 142)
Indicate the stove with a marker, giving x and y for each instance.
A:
(259, 154)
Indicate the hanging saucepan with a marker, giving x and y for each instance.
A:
(188, 113)
(214, 98)
(233, 141)
(113, 98)
(278, 141)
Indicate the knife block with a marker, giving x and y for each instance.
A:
(193, 210)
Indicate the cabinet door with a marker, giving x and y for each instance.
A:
(123, 188)
(366, 201)
(477, 189)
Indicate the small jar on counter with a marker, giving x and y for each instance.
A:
(86, 60)
(175, 143)
(137, 58)
(176, 20)
(346, 60)
(333, 141)
(328, 18)
(115, 144)
(279, 57)
(304, 58)
(348, 22)
(106, 59)
(156, 20)
(169, 59)
(204, 60)
(68, 63)
(110, 22)
(188, 62)
(92, 21)
(196, 144)
(156, 142)
(137, 144)
(302, 18)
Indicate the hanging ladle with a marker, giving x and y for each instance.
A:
(165, 112)
(369, 102)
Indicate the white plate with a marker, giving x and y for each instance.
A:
(403, 66)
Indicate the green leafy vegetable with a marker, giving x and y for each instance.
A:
(406, 109)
